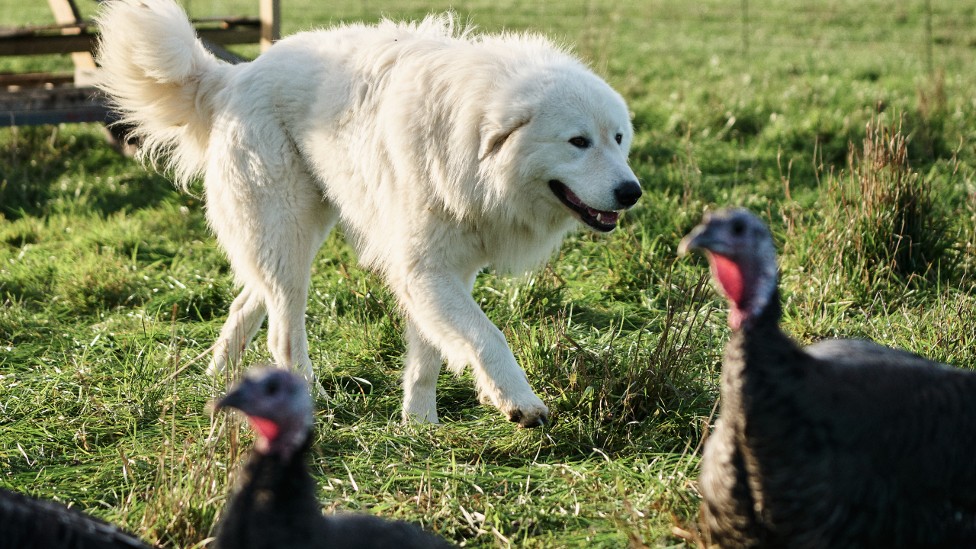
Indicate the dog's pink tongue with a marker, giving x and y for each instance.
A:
(574, 199)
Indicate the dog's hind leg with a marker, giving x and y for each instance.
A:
(287, 250)
(422, 365)
(245, 318)
(270, 218)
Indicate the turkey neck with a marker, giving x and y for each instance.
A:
(273, 475)
(274, 492)
(762, 368)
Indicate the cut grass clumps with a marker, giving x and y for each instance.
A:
(900, 224)
(608, 385)
(881, 224)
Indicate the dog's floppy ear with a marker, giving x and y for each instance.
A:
(494, 133)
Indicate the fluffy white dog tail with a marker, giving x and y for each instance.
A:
(160, 78)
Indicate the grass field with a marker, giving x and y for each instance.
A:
(848, 125)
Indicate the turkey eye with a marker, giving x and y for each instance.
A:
(618, 138)
(579, 142)
(738, 227)
(272, 387)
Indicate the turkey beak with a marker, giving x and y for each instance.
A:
(237, 398)
(697, 239)
(709, 235)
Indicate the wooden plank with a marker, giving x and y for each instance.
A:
(42, 98)
(66, 13)
(52, 106)
(232, 35)
(269, 12)
(58, 44)
(40, 29)
(45, 44)
(79, 114)
(222, 53)
(34, 79)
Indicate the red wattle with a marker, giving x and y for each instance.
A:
(729, 277)
(265, 427)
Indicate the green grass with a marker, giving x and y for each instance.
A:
(111, 285)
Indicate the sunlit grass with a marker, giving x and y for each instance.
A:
(112, 288)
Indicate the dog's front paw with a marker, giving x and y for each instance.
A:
(534, 414)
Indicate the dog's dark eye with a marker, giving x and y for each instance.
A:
(579, 142)
(618, 138)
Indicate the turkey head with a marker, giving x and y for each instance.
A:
(742, 257)
(278, 406)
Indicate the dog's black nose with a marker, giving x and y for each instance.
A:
(627, 193)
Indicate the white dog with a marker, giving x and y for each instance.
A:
(437, 150)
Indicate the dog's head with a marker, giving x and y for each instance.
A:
(564, 135)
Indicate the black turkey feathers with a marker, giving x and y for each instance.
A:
(843, 444)
(29, 523)
(275, 505)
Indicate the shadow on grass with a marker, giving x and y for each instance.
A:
(47, 170)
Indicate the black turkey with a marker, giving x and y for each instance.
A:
(842, 444)
(28, 523)
(275, 506)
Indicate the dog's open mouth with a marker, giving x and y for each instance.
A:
(598, 219)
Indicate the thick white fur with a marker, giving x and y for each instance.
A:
(431, 146)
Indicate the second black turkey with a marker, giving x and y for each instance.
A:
(845, 443)
(275, 506)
